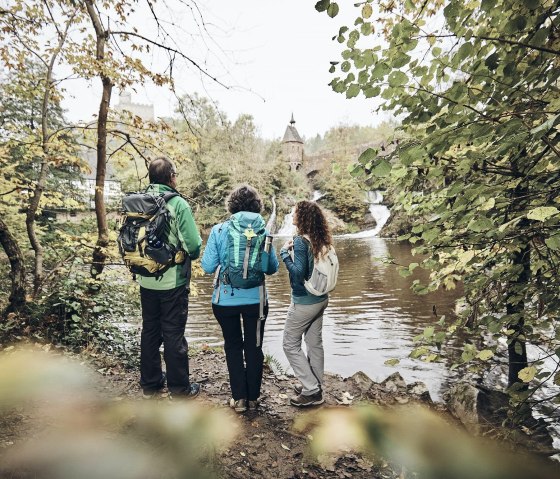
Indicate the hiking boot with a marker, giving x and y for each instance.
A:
(152, 393)
(253, 405)
(298, 388)
(238, 406)
(191, 393)
(311, 400)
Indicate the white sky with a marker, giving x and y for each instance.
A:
(275, 55)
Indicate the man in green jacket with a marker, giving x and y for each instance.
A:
(165, 299)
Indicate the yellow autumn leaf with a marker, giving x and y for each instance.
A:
(527, 374)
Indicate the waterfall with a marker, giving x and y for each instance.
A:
(379, 212)
(288, 228)
(271, 224)
(317, 195)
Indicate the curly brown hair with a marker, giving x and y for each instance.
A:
(311, 222)
(244, 198)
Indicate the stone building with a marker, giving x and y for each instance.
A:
(146, 112)
(292, 147)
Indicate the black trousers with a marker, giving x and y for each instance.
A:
(164, 317)
(244, 358)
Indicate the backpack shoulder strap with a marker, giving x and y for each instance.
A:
(168, 195)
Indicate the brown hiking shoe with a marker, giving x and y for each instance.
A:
(238, 406)
(311, 400)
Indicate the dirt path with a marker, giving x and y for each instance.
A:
(267, 445)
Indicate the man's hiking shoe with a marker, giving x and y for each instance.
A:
(193, 392)
(238, 406)
(305, 401)
(253, 405)
(152, 393)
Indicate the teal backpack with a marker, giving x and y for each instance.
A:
(245, 242)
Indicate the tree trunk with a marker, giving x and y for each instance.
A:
(517, 351)
(44, 169)
(17, 272)
(100, 250)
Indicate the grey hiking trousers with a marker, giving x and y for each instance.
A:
(306, 320)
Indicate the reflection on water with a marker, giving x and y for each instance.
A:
(372, 314)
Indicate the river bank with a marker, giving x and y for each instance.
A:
(266, 443)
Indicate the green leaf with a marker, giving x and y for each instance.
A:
(367, 155)
(397, 78)
(488, 204)
(430, 235)
(367, 10)
(485, 354)
(553, 242)
(332, 10)
(400, 60)
(382, 169)
(392, 362)
(547, 125)
(542, 213)
(527, 374)
(322, 5)
(353, 90)
(428, 332)
(492, 61)
(480, 224)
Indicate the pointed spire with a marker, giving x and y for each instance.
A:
(292, 121)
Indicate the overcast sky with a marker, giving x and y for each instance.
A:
(274, 55)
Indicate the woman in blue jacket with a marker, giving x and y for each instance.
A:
(305, 314)
(230, 304)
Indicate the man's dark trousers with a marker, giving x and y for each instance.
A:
(164, 317)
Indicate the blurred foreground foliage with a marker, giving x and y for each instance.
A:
(77, 432)
(416, 439)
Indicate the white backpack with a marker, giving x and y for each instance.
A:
(324, 275)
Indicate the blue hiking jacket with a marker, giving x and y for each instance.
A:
(300, 269)
(215, 254)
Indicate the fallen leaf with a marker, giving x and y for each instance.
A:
(347, 398)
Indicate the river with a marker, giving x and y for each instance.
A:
(372, 315)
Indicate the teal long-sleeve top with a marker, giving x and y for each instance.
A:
(300, 268)
(215, 255)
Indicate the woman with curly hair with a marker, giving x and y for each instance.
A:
(305, 314)
(241, 310)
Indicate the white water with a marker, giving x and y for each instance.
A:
(379, 212)
(317, 195)
(288, 228)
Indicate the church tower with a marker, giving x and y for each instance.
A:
(292, 146)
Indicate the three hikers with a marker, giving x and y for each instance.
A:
(158, 240)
